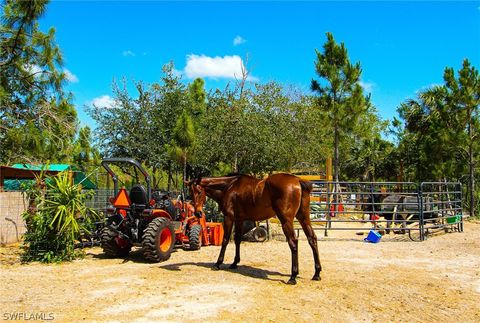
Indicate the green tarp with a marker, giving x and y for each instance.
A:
(79, 176)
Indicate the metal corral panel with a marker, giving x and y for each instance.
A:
(12, 226)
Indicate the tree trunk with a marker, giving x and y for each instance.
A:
(336, 187)
(335, 157)
(185, 168)
(169, 176)
(335, 169)
(235, 163)
(471, 166)
(184, 178)
(154, 178)
(336, 139)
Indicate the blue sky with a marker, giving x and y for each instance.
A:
(403, 47)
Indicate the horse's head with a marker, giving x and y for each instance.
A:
(197, 194)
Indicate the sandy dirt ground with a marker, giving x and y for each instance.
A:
(395, 280)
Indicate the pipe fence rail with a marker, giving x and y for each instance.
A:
(416, 209)
(101, 200)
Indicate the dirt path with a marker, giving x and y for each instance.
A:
(436, 280)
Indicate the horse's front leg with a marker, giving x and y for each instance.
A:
(238, 240)
(227, 229)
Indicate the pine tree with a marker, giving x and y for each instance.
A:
(464, 96)
(37, 120)
(339, 92)
(184, 139)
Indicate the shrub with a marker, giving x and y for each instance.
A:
(52, 221)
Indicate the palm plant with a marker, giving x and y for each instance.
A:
(55, 225)
(66, 202)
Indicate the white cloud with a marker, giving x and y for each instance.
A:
(72, 78)
(128, 53)
(229, 67)
(104, 101)
(238, 40)
(367, 86)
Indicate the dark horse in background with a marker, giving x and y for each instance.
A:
(242, 197)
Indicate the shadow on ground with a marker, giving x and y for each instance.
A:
(244, 270)
(136, 256)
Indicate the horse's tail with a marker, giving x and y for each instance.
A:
(307, 186)
(303, 213)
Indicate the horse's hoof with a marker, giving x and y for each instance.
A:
(233, 266)
(291, 281)
(216, 267)
(316, 278)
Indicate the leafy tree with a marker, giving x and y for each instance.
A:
(268, 128)
(365, 155)
(340, 94)
(37, 120)
(370, 159)
(123, 128)
(442, 126)
(143, 126)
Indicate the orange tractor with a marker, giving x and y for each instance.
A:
(152, 220)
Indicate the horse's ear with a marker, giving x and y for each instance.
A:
(197, 182)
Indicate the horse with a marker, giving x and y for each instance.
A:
(398, 209)
(242, 197)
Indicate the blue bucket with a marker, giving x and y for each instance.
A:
(373, 236)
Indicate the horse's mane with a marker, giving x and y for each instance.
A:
(239, 175)
(234, 174)
(222, 185)
(232, 178)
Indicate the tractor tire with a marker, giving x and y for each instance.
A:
(111, 246)
(158, 240)
(260, 234)
(195, 237)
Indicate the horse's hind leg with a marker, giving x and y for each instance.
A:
(312, 241)
(292, 240)
(303, 216)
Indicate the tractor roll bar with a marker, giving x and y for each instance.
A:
(130, 161)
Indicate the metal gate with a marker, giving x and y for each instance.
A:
(399, 207)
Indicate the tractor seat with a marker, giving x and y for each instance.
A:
(138, 195)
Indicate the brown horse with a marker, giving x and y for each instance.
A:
(242, 197)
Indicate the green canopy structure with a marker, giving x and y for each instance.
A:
(79, 177)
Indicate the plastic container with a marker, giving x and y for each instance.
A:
(454, 219)
(373, 237)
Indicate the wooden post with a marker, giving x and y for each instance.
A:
(1, 181)
(328, 169)
(70, 176)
